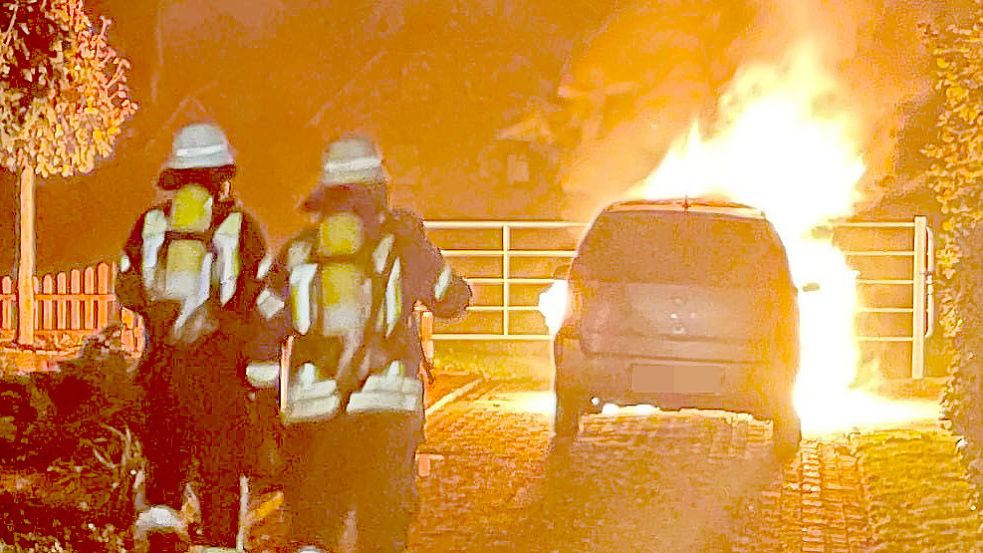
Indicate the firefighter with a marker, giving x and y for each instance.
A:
(190, 270)
(352, 396)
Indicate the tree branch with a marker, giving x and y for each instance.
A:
(10, 28)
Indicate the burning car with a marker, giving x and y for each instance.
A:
(680, 303)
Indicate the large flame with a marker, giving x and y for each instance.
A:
(779, 152)
(553, 304)
(783, 149)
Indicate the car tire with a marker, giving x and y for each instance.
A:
(786, 435)
(566, 420)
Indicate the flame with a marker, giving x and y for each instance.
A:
(780, 153)
(553, 304)
(782, 148)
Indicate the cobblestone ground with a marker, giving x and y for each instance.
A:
(670, 482)
(686, 482)
(815, 505)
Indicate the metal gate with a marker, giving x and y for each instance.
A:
(509, 263)
(895, 261)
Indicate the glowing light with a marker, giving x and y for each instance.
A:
(849, 410)
(783, 149)
(553, 304)
(781, 152)
(538, 403)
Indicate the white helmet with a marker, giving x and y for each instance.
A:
(352, 160)
(200, 146)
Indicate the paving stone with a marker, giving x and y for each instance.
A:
(679, 482)
(687, 482)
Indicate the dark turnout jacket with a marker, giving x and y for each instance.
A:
(422, 266)
(203, 381)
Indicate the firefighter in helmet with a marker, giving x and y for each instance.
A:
(189, 269)
(352, 398)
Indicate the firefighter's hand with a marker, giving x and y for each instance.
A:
(456, 300)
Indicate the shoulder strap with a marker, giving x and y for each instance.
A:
(153, 236)
(230, 225)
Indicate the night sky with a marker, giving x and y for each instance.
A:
(267, 67)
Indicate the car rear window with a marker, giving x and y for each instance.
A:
(682, 248)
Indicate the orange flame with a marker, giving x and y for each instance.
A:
(780, 153)
(779, 150)
(553, 305)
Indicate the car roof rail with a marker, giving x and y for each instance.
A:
(701, 204)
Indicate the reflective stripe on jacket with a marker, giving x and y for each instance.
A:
(385, 383)
(185, 257)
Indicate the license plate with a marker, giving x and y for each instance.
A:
(676, 380)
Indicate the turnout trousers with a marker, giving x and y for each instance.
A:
(361, 463)
(195, 430)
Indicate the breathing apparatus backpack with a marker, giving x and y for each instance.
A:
(346, 301)
(189, 257)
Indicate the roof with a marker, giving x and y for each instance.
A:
(702, 205)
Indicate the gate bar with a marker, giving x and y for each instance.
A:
(918, 299)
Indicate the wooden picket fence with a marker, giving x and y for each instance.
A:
(70, 306)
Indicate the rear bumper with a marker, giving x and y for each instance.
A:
(757, 389)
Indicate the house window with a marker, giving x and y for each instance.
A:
(518, 168)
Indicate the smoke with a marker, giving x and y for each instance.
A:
(872, 50)
(875, 53)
